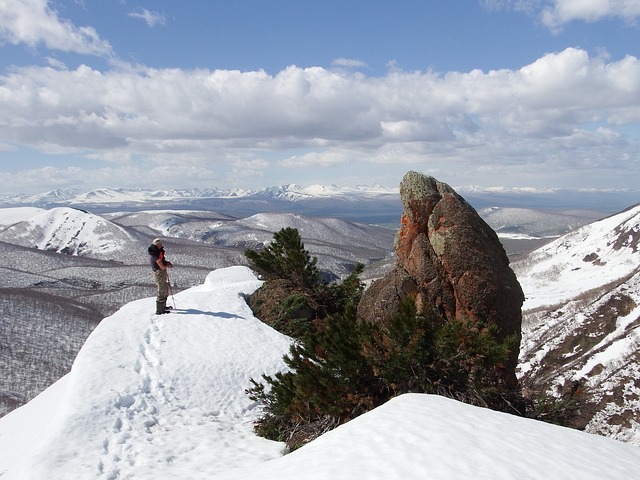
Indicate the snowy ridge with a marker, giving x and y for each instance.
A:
(9, 216)
(527, 223)
(67, 230)
(158, 398)
(148, 395)
(588, 258)
(581, 321)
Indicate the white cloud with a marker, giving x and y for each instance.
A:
(144, 174)
(348, 63)
(320, 159)
(151, 18)
(564, 107)
(556, 13)
(34, 22)
(565, 11)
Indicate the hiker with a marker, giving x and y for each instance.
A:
(159, 265)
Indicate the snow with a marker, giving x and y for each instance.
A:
(291, 191)
(64, 229)
(18, 214)
(163, 397)
(625, 341)
(575, 287)
(573, 264)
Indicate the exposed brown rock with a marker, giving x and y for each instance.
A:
(283, 306)
(450, 260)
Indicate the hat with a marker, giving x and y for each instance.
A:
(157, 241)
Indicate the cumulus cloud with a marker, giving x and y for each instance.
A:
(564, 107)
(564, 111)
(565, 11)
(92, 176)
(151, 18)
(556, 13)
(35, 22)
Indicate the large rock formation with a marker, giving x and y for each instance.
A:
(450, 260)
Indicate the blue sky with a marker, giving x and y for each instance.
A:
(248, 94)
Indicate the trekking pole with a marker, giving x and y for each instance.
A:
(171, 289)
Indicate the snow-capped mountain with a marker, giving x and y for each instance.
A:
(322, 195)
(162, 397)
(527, 223)
(581, 322)
(295, 192)
(291, 192)
(338, 244)
(70, 231)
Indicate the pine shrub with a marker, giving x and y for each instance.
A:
(293, 295)
(285, 257)
(340, 367)
(343, 368)
(565, 408)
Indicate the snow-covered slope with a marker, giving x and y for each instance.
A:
(259, 228)
(70, 231)
(9, 216)
(589, 258)
(159, 398)
(417, 437)
(581, 322)
(156, 397)
(534, 223)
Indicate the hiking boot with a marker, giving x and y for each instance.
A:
(161, 308)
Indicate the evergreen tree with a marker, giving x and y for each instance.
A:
(285, 257)
(343, 367)
(293, 295)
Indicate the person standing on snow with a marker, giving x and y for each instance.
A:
(159, 265)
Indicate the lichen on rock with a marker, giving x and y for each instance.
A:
(450, 260)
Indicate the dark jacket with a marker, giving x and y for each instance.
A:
(154, 254)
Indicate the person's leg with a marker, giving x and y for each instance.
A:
(163, 291)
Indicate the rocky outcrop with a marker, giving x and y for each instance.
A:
(450, 260)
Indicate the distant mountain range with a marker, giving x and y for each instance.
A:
(368, 204)
(524, 218)
(315, 199)
(290, 192)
